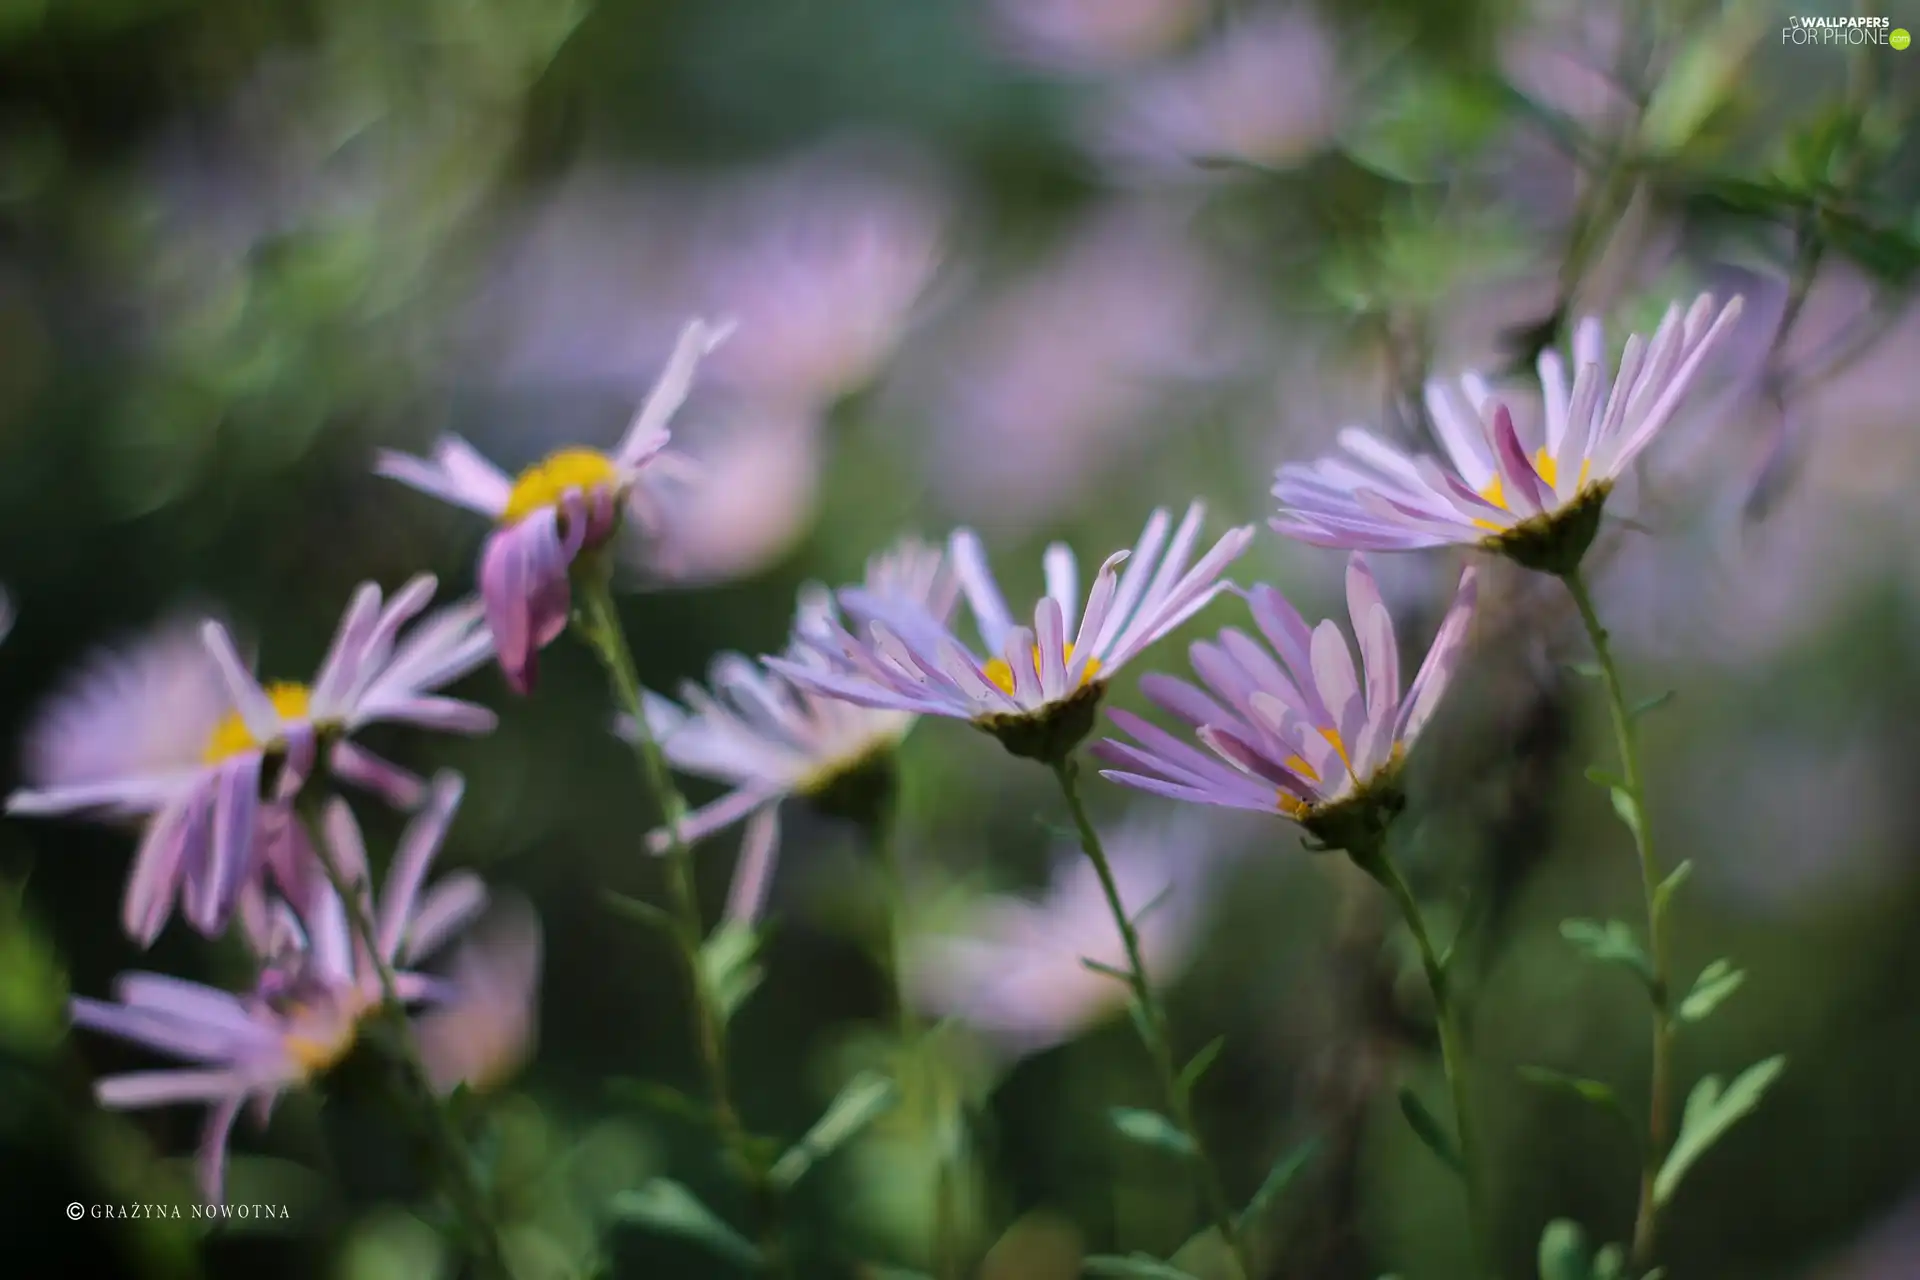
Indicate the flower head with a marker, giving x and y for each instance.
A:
(177, 731)
(1537, 501)
(304, 1014)
(769, 737)
(570, 502)
(1310, 736)
(1039, 686)
(1014, 968)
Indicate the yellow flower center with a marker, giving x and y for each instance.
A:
(547, 481)
(1001, 674)
(327, 1036)
(1549, 470)
(231, 736)
(1292, 805)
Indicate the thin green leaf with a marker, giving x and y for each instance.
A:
(1709, 1113)
(1663, 893)
(865, 1099)
(1627, 805)
(1140, 1265)
(1150, 1129)
(728, 965)
(655, 1096)
(1716, 982)
(1610, 1263)
(1609, 943)
(1106, 970)
(1563, 1251)
(1432, 1134)
(1594, 1092)
(1654, 703)
(1601, 778)
(1198, 1065)
(635, 909)
(1160, 898)
(671, 1209)
(1587, 670)
(1288, 1167)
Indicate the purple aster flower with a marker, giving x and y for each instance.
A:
(568, 503)
(176, 731)
(769, 737)
(1536, 500)
(1013, 967)
(1039, 686)
(305, 1011)
(1310, 736)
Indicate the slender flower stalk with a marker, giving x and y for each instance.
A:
(335, 831)
(1153, 1023)
(1628, 741)
(1453, 1042)
(599, 628)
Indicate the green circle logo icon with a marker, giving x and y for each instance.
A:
(1899, 39)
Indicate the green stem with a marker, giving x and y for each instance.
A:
(598, 624)
(469, 1199)
(1453, 1044)
(1632, 783)
(886, 832)
(1153, 1024)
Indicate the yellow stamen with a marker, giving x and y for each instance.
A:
(1289, 804)
(1001, 674)
(546, 482)
(327, 1034)
(1549, 469)
(231, 736)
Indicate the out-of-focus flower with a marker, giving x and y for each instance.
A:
(305, 1014)
(1264, 93)
(570, 502)
(178, 731)
(1320, 741)
(822, 260)
(1539, 505)
(1013, 968)
(488, 1024)
(1037, 397)
(1039, 691)
(768, 737)
(1091, 35)
(759, 485)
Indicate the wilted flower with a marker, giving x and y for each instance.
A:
(770, 738)
(568, 503)
(1538, 502)
(1317, 741)
(304, 1015)
(1014, 968)
(177, 730)
(1039, 692)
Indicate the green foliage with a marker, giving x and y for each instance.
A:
(1198, 1065)
(1285, 1170)
(1716, 982)
(1709, 1113)
(1627, 806)
(864, 1099)
(1610, 943)
(729, 965)
(1594, 1092)
(1654, 703)
(1150, 1129)
(1663, 893)
(1432, 1134)
(1565, 1255)
(639, 910)
(669, 1208)
(1141, 1266)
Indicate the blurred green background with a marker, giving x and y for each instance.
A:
(1037, 266)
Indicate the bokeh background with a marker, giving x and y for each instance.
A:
(1037, 266)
